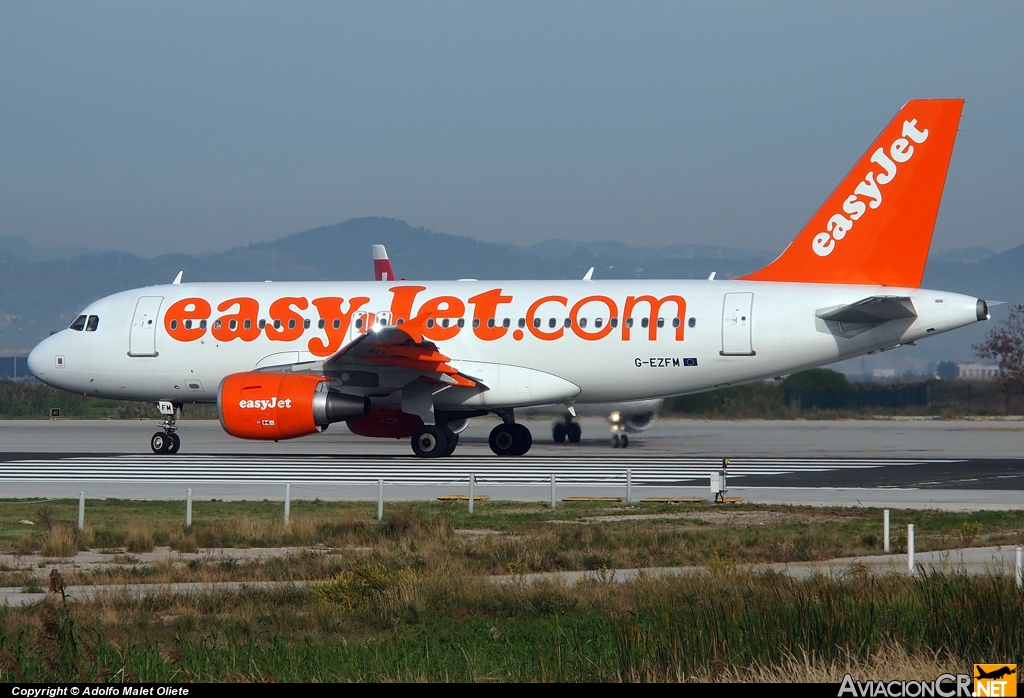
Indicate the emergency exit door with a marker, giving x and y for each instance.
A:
(736, 324)
(142, 339)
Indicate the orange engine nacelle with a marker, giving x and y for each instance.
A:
(386, 424)
(272, 406)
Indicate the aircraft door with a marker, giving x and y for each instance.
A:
(142, 339)
(736, 324)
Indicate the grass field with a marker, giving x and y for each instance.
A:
(410, 598)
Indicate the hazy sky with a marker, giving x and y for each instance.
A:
(158, 127)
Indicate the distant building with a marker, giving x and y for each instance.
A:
(978, 371)
(883, 373)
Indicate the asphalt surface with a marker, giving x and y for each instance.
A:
(908, 463)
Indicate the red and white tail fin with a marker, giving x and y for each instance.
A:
(382, 270)
(876, 227)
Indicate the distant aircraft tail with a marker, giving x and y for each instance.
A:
(382, 270)
(876, 227)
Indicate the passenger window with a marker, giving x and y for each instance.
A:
(644, 322)
(247, 324)
(93, 323)
(598, 322)
(490, 322)
(661, 322)
(217, 324)
(568, 322)
(263, 323)
(444, 323)
(629, 322)
(583, 322)
(188, 324)
(476, 322)
(506, 322)
(692, 322)
(522, 322)
(337, 323)
(614, 322)
(79, 324)
(359, 324)
(536, 322)
(551, 322)
(174, 324)
(675, 322)
(305, 324)
(291, 324)
(321, 323)
(462, 323)
(202, 324)
(430, 323)
(233, 325)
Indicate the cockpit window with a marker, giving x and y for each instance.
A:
(93, 323)
(79, 324)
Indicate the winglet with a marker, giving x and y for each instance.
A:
(589, 275)
(177, 279)
(876, 227)
(382, 270)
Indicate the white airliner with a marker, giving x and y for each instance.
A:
(402, 359)
(624, 418)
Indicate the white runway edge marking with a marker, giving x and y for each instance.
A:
(407, 469)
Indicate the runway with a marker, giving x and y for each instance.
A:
(957, 465)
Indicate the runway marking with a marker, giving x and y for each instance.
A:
(411, 470)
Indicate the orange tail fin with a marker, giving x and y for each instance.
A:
(877, 225)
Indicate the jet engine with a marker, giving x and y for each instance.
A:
(272, 406)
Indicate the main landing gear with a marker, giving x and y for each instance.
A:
(166, 441)
(566, 429)
(432, 441)
(509, 438)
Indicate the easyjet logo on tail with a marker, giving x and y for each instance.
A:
(854, 207)
(876, 226)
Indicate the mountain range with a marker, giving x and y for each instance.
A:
(42, 290)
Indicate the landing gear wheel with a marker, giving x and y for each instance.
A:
(429, 441)
(624, 441)
(558, 433)
(524, 439)
(160, 443)
(616, 441)
(453, 441)
(502, 440)
(175, 443)
(510, 440)
(574, 433)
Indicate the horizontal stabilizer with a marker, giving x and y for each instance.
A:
(871, 311)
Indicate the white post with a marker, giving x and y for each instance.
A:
(287, 502)
(552, 490)
(188, 508)
(1020, 566)
(910, 548)
(885, 527)
(629, 485)
(81, 511)
(380, 500)
(471, 478)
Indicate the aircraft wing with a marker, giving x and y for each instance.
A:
(874, 310)
(400, 352)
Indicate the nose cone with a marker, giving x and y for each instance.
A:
(41, 359)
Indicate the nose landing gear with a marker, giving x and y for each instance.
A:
(566, 429)
(167, 441)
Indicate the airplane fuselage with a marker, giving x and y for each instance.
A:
(528, 342)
